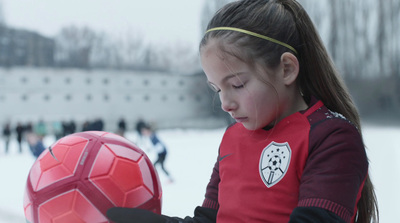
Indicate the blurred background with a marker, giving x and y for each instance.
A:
(68, 66)
(84, 59)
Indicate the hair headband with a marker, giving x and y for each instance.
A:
(253, 34)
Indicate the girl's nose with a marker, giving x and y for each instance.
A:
(227, 102)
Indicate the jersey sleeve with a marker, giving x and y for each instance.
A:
(336, 168)
(211, 196)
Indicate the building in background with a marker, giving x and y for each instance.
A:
(169, 101)
(25, 48)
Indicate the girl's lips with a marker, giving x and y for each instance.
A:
(240, 119)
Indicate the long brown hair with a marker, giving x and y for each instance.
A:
(288, 22)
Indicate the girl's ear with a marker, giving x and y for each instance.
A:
(290, 68)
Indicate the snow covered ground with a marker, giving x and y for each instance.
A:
(192, 154)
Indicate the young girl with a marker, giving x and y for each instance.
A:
(295, 153)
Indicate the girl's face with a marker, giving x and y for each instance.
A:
(250, 101)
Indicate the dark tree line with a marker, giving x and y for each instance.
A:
(85, 48)
(363, 38)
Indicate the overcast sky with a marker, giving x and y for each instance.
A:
(157, 20)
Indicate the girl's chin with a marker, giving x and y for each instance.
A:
(250, 127)
(253, 127)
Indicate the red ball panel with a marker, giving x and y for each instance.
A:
(28, 207)
(116, 177)
(137, 197)
(117, 137)
(72, 206)
(126, 174)
(121, 151)
(147, 176)
(71, 140)
(103, 163)
(48, 170)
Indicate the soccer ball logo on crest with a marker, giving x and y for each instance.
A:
(84, 174)
(274, 162)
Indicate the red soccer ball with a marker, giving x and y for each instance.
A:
(84, 174)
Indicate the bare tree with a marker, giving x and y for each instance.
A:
(181, 58)
(2, 18)
(393, 52)
(74, 46)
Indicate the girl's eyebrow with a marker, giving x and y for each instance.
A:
(226, 78)
(232, 75)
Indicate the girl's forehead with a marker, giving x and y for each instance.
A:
(220, 52)
(215, 60)
(212, 46)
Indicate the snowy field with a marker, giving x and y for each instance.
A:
(192, 154)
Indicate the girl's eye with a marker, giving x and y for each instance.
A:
(238, 86)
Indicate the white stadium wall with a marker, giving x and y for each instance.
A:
(30, 95)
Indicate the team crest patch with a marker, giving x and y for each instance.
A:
(274, 162)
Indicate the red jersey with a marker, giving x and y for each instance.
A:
(313, 158)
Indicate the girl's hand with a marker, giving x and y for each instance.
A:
(135, 215)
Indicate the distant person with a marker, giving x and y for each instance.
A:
(65, 127)
(35, 142)
(86, 126)
(69, 127)
(7, 136)
(72, 127)
(158, 146)
(57, 129)
(121, 127)
(96, 125)
(139, 125)
(19, 129)
(40, 128)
